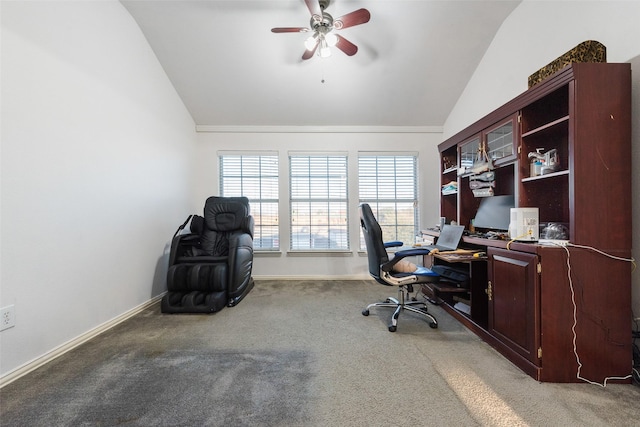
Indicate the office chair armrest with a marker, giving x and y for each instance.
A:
(393, 244)
(413, 252)
(388, 266)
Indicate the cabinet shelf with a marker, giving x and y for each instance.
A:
(546, 176)
(449, 170)
(546, 126)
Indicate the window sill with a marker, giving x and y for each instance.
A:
(267, 253)
(320, 253)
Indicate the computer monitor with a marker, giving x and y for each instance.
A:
(494, 213)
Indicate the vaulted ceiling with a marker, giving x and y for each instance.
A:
(414, 59)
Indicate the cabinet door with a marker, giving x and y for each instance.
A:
(500, 142)
(468, 153)
(513, 291)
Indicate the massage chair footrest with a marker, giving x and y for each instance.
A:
(193, 302)
(195, 288)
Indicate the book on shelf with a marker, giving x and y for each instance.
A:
(450, 188)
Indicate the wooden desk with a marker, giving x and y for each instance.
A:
(521, 304)
(474, 295)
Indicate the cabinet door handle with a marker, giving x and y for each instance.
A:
(489, 291)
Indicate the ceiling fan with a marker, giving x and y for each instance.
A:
(323, 25)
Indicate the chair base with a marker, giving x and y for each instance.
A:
(400, 304)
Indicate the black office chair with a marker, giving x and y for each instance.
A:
(381, 269)
(210, 266)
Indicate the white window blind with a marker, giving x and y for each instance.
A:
(254, 176)
(389, 184)
(318, 193)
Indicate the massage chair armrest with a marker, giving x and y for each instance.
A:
(180, 244)
(241, 263)
(202, 259)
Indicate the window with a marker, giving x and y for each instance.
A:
(389, 184)
(318, 191)
(254, 176)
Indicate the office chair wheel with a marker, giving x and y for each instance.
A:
(392, 328)
(433, 325)
(365, 312)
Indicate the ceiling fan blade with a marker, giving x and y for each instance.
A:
(356, 17)
(308, 54)
(314, 8)
(290, 30)
(346, 46)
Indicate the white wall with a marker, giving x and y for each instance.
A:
(96, 156)
(536, 33)
(354, 265)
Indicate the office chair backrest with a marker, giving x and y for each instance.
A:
(222, 216)
(376, 252)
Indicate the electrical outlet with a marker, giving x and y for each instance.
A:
(7, 317)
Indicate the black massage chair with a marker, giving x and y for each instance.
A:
(210, 265)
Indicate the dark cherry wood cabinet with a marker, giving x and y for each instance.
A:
(561, 314)
(514, 301)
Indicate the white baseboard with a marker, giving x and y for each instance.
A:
(320, 277)
(75, 342)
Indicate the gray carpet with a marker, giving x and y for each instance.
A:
(176, 387)
(300, 354)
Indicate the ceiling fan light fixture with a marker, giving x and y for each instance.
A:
(331, 39)
(311, 41)
(325, 50)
